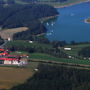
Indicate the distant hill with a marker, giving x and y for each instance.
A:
(28, 1)
(52, 2)
(23, 15)
(43, 0)
(7, 1)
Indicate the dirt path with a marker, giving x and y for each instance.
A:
(8, 33)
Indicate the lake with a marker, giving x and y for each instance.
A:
(70, 25)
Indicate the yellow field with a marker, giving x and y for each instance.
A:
(11, 76)
(6, 33)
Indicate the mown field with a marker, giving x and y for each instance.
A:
(11, 76)
(46, 57)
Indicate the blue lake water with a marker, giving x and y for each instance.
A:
(70, 25)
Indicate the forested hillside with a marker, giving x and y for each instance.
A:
(22, 15)
(17, 15)
(56, 77)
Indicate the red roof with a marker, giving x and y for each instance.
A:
(2, 49)
(4, 53)
(10, 58)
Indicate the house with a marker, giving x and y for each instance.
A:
(68, 49)
(9, 59)
(30, 41)
(12, 60)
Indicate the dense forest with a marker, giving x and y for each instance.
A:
(22, 15)
(57, 77)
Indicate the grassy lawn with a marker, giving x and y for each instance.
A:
(51, 58)
(11, 76)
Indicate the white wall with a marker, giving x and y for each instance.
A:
(7, 62)
(67, 48)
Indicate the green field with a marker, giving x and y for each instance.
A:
(7, 81)
(73, 52)
(46, 57)
(40, 56)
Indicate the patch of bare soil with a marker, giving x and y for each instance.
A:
(8, 33)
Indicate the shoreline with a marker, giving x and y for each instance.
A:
(71, 4)
(48, 18)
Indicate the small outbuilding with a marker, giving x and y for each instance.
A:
(68, 49)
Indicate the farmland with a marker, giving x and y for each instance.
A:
(11, 76)
(8, 81)
(45, 57)
(49, 58)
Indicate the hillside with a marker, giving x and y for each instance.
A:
(29, 1)
(52, 2)
(25, 16)
(56, 77)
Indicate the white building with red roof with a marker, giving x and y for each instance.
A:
(12, 60)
